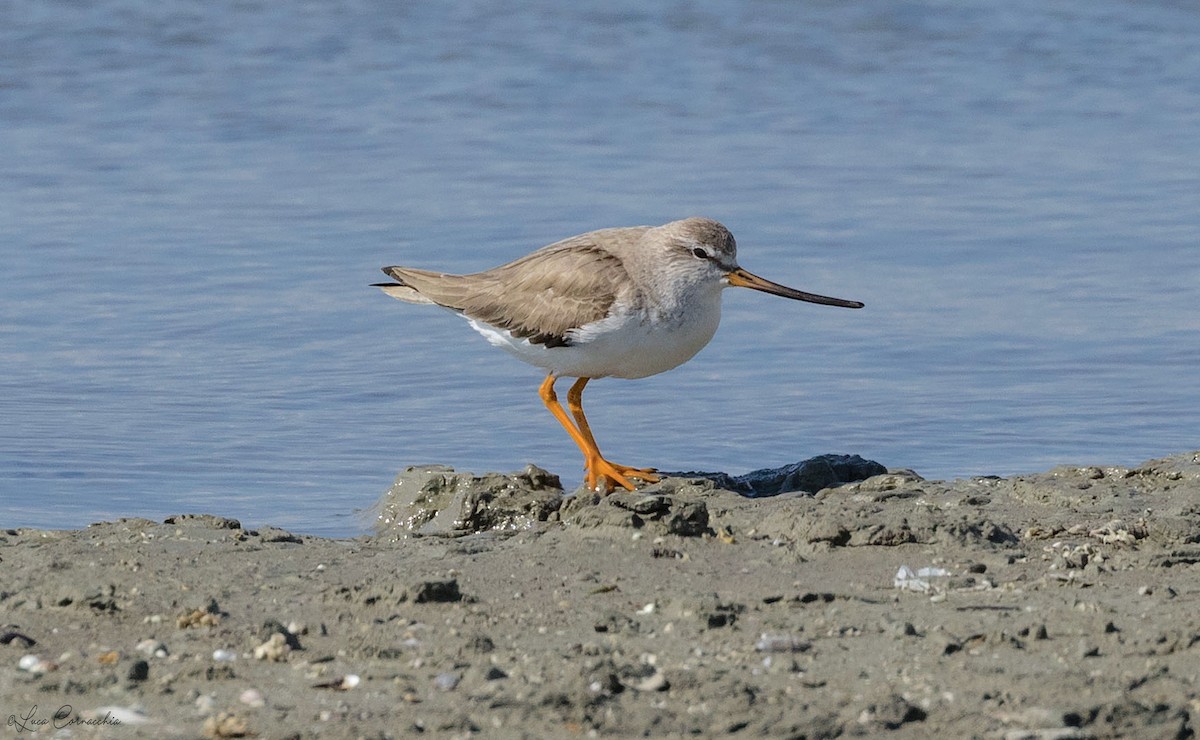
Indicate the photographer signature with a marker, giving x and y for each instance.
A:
(61, 718)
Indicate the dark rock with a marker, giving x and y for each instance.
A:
(139, 671)
(809, 476)
(439, 592)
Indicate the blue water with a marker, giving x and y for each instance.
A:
(195, 195)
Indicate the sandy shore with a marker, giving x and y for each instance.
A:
(1059, 605)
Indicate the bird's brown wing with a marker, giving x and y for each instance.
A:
(539, 297)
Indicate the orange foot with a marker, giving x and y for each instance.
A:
(601, 475)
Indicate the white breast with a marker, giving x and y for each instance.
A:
(633, 344)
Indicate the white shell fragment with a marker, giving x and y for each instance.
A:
(920, 580)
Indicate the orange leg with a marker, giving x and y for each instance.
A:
(598, 465)
(600, 473)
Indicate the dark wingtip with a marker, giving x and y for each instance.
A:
(389, 272)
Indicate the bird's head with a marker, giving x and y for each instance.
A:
(705, 251)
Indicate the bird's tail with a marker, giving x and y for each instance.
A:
(400, 290)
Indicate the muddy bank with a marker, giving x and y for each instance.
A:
(1057, 605)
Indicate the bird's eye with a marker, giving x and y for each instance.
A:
(700, 252)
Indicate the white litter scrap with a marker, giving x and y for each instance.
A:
(115, 716)
(780, 644)
(920, 580)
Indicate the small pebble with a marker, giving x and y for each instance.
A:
(275, 649)
(152, 648)
(341, 683)
(447, 681)
(252, 698)
(654, 682)
(197, 618)
(36, 665)
(224, 656)
(226, 725)
(781, 644)
(109, 658)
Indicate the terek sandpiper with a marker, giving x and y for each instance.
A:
(623, 303)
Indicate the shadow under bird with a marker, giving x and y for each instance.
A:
(622, 303)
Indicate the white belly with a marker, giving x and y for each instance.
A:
(625, 346)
